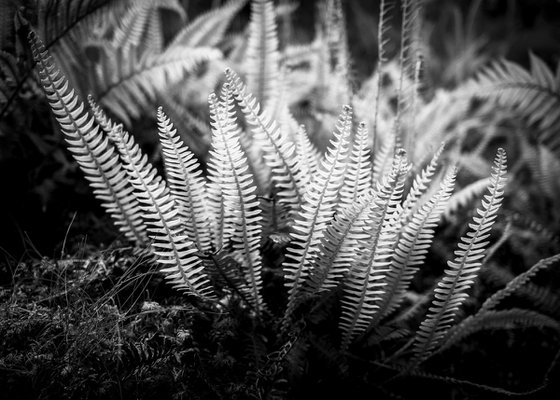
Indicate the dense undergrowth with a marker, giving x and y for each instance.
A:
(86, 310)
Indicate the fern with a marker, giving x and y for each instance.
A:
(185, 183)
(535, 94)
(358, 174)
(127, 82)
(91, 149)
(414, 240)
(366, 283)
(316, 211)
(517, 283)
(279, 153)
(241, 208)
(208, 29)
(458, 278)
(262, 52)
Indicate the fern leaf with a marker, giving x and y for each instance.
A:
(408, 60)
(175, 251)
(534, 94)
(91, 149)
(358, 175)
(498, 319)
(385, 8)
(208, 29)
(365, 284)
(316, 212)
(419, 187)
(128, 82)
(238, 192)
(262, 52)
(517, 282)
(279, 151)
(185, 183)
(412, 245)
(461, 272)
(344, 235)
(466, 195)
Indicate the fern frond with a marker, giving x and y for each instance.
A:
(175, 251)
(535, 94)
(498, 319)
(262, 52)
(516, 283)
(186, 184)
(415, 238)
(308, 154)
(409, 53)
(385, 9)
(358, 174)
(208, 29)
(340, 243)
(129, 81)
(451, 289)
(365, 284)
(278, 151)
(419, 187)
(466, 195)
(238, 192)
(316, 212)
(91, 149)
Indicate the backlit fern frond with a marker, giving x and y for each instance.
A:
(419, 187)
(535, 94)
(459, 277)
(466, 195)
(241, 206)
(208, 29)
(186, 184)
(171, 245)
(317, 210)
(412, 246)
(365, 284)
(339, 246)
(91, 149)
(278, 150)
(262, 52)
(358, 174)
(127, 82)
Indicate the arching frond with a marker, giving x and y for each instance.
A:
(91, 149)
(366, 283)
(262, 52)
(535, 94)
(498, 319)
(316, 212)
(238, 193)
(516, 283)
(128, 82)
(278, 151)
(451, 289)
(209, 28)
(186, 184)
(171, 245)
